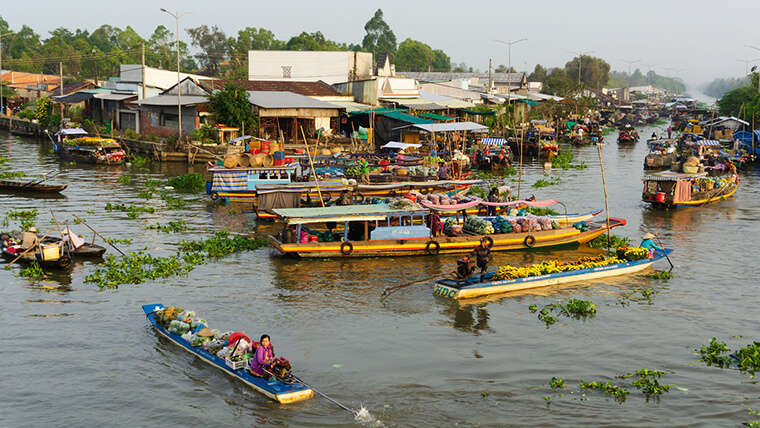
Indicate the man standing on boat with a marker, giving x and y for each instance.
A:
(481, 253)
(364, 169)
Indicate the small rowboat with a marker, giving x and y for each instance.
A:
(278, 390)
(471, 288)
(46, 261)
(7, 186)
(86, 250)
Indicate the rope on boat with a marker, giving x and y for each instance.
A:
(387, 291)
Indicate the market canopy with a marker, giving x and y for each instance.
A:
(449, 127)
(493, 141)
(397, 145)
(703, 143)
(71, 131)
(481, 113)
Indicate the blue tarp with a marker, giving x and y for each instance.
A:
(230, 180)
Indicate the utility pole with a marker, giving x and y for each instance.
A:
(60, 86)
(668, 70)
(143, 70)
(95, 65)
(490, 78)
(629, 70)
(580, 62)
(177, 16)
(649, 70)
(747, 61)
(509, 70)
(758, 80)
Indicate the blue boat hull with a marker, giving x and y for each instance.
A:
(278, 390)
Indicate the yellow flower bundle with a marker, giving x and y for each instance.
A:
(553, 266)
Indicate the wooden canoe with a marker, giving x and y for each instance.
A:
(278, 390)
(7, 186)
(471, 288)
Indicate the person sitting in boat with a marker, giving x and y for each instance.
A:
(261, 364)
(71, 240)
(654, 135)
(400, 155)
(444, 173)
(647, 243)
(481, 253)
(30, 239)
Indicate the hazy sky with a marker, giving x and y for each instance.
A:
(697, 39)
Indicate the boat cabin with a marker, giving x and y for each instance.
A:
(249, 178)
(352, 223)
(675, 188)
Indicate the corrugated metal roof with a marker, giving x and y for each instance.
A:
(407, 117)
(350, 106)
(456, 126)
(171, 100)
(437, 117)
(279, 99)
(415, 103)
(76, 97)
(113, 96)
(444, 76)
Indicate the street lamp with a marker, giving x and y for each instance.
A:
(177, 16)
(746, 62)
(668, 70)
(649, 70)
(580, 62)
(2, 109)
(509, 70)
(629, 69)
(758, 80)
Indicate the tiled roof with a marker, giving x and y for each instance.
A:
(309, 89)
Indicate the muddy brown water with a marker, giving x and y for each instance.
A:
(75, 355)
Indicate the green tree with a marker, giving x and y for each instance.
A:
(538, 75)
(232, 107)
(214, 48)
(313, 42)
(733, 102)
(594, 71)
(559, 83)
(379, 37)
(504, 69)
(414, 56)
(441, 61)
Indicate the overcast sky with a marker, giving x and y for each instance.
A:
(698, 40)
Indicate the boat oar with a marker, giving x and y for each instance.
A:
(312, 388)
(30, 248)
(64, 244)
(387, 291)
(96, 232)
(663, 250)
(44, 177)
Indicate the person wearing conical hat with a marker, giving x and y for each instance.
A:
(647, 243)
(30, 239)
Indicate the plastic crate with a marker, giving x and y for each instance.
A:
(235, 365)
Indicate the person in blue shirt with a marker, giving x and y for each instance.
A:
(647, 243)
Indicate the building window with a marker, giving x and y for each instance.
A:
(170, 121)
(286, 71)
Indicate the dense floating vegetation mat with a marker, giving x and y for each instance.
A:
(194, 181)
(11, 174)
(564, 160)
(645, 380)
(575, 308)
(544, 182)
(26, 217)
(132, 211)
(717, 354)
(34, 270)
(137, 267)
(172, 226)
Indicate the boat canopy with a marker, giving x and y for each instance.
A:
(343, 213)
(397, 145)
(71, 131)
(493, 204)
(420, 184)
(673, 176)
(493, 141)
(256, 169)
(455, 126)
(703, 143)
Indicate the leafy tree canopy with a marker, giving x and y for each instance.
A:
(379, 37)
(231, 107)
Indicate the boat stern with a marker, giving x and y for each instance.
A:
(446, 288)
(295, 396)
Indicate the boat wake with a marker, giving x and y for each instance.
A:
(364, 417)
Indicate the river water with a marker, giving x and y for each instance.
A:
(75, 355)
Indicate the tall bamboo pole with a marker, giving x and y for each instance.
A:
(604, 183)
(519, 177)
(311, 163)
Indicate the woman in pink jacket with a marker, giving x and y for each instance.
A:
(263, 358)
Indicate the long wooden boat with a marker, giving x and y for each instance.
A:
(86, 250)
(480, 208)
(278, 390)
(471, 288)
(672, 189)
(106, 152)
(7, 186)
(379, 230)
(58, 261)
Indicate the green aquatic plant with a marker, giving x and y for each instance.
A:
(648, 381)
(140, 161)
(540, 211)
(574, 308)
(749, 357)
(126, 241)
(124, 179)
(664, 275)
(129, 208)
(173, 226)
(543, 182)
(153, 184)
(556, 383)
(173, 203)
(145, 194)
(32, 271)
(220, 244)
(614, 241)
(618, 392)
(194, 181)
(713, 354)
(11, 174)
(135, 268)
(564, 161)
(15, 214)
(4, 159)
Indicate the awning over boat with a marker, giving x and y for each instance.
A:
(230, 181)
(397, 145)
(450, 127)
(458, 207)
(673, 176)
(374, 212)
(703, 143)
(493, 141)
(419, 184)
(68, 132)
(244, 137)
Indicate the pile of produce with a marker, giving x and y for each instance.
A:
(478, 225)
(501, 225)
(186, 324)
(90, 141)
(632, 253)
(324, 236)
(450, 227)
(423, 171)
(433, 160)
(443, 199)
(354, 171)
(582, 226)
(553, 266)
